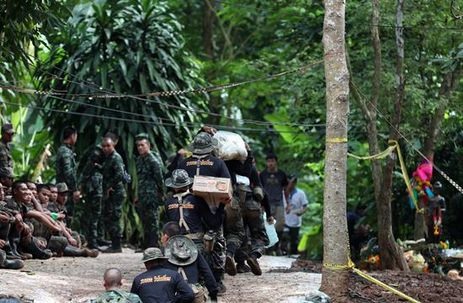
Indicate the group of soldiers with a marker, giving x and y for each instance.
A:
(229, 236)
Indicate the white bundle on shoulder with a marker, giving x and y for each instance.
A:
(230, 146)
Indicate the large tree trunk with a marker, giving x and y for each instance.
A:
(371, 114)
(208, 46)
(335, 236)
(391, 254)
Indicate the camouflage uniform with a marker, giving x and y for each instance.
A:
(150, 192)
(92, 187)
(113, 176)
(6, 161)
(117, 296)
(66, 172)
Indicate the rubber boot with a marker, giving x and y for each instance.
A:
(13, 248)
(72, 251)
(114, 248)
(10, 264)
(92, 253)
(10, 254)
(103, 242)
(36, 251)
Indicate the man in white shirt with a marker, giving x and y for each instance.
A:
(296, 205)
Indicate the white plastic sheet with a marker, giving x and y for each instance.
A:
(230, 146)
(271, 232)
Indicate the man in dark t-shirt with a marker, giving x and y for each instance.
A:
(274, 181)
(158, 284)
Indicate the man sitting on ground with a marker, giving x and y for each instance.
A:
(158, 284)
(113, 283)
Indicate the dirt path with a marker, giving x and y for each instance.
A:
(79, 279)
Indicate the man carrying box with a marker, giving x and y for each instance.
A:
(203, 163)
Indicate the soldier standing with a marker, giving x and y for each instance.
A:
(150, 190)
(6, 161)
(114, 193)
(92, 186)
(66, 167)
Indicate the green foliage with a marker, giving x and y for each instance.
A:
(126, 47)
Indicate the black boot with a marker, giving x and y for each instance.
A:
(93, 244)
(10, 264)
(230, 267)
(103, 242)
(10, 253)
(254, 265)
(36, 251)
(72, 251)
(114, 248)
(242, 268)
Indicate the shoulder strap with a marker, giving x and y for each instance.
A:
(182, 221)
(181, 271)
(198, 162)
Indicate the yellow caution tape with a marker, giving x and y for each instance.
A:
(336, 140)
(394, 146)
(384, 285)
(351, 266)
(378, 156)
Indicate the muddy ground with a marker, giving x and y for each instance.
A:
(80, 279)
(424, 287)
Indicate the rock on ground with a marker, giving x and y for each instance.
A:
(80, 279)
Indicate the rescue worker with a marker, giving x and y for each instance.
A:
(159, 284)
(203, 163)
(245, 213)
(184, 257)
(114, 294)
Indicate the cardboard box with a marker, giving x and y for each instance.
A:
(213, 190)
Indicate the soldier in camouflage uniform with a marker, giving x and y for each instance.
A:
(114, 193)
(92, 187)
(6, 161)
(66, 167)
(113, 294)
(150, 190)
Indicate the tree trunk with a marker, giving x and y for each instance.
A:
(447, 86)
(391, 255)
(372, 131)
(208, 30)
(208, 46)
(335, 236)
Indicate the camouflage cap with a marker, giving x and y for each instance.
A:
(179, 179)
(203, 143)
(62, 187)
(8, 128)
(181, 251)
(153, 253)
